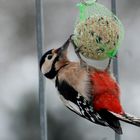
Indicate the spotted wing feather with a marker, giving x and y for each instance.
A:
(77, 103)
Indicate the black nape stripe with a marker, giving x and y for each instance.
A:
(53, 72)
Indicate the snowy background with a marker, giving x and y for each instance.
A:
(19, 72)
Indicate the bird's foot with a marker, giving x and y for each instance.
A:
(109, 64)
(77, 51)
(82, 62)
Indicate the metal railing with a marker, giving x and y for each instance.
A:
(40, 45)
(115, 60)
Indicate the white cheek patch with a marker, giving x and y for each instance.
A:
(47, 65)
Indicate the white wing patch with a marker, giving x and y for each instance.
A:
(83, 109)
(70, 105)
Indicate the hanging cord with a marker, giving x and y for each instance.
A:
(40, 44)
(115, 60)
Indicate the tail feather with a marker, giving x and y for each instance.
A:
(112, 120)
(128, 118)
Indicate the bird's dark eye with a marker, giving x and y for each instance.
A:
(49, 57)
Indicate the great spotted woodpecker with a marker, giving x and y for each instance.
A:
(89, 92)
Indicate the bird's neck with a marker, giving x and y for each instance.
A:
(61, 64)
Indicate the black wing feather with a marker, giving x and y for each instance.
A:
(86, 110)
(112, 120)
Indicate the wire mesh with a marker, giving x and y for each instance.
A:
(98, 32)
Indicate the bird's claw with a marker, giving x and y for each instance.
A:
(109, 64)
(77, 51)
(82, 62)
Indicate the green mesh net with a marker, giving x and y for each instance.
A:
(98, 32)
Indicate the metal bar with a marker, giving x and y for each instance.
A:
(40, 44)
(115, 61)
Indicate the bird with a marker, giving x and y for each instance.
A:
(89, 92)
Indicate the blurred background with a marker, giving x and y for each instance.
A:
(19, 110)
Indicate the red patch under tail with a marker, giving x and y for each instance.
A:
(106, 92)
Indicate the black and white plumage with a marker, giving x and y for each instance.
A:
(54, 64)
(76, 89)
(77, 103)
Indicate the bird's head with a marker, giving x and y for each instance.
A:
(53, 60)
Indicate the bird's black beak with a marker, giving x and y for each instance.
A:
(64, 48)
